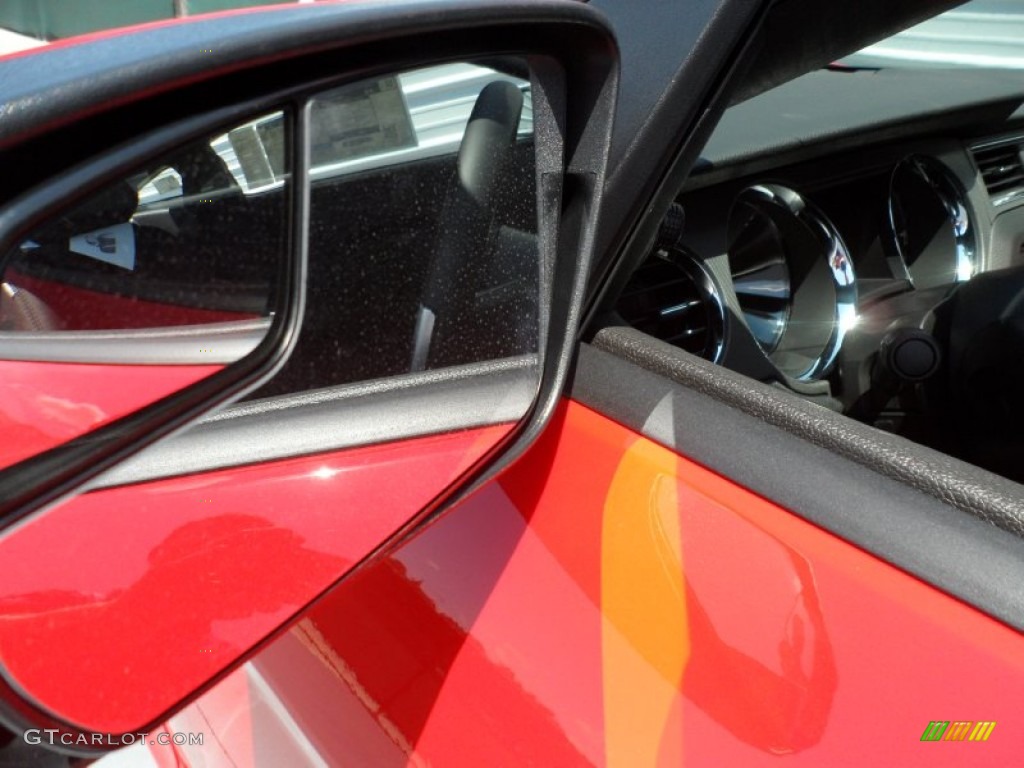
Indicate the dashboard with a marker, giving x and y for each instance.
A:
(877, 270)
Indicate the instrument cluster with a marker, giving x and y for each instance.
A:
(800, 278)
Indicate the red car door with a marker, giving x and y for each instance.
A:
(614, 598)
(686, 567)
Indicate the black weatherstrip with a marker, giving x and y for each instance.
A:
(337, 418)
(784, 449)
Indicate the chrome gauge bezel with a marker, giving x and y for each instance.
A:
(812, 249)
(674, 297)
(698, 272)
(950, 195)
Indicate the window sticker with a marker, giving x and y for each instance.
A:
(113, 245)
(362, 119)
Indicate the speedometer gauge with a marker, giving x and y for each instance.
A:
(793, 278)
(930, 238)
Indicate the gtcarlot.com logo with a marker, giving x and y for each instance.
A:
(54, 737)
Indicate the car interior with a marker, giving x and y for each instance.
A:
(856, 236)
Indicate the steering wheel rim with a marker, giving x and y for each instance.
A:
(976, 395)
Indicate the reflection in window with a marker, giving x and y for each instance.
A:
(422, 256)
(197, 237)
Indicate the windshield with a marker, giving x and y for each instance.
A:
(981, 33)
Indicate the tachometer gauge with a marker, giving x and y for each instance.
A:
(930, 239)
(793, 278)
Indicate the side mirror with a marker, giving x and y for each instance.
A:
(152, 283)
(163, 254)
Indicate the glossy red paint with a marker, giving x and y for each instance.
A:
(148, 591)
(519, 628)
(43, 405)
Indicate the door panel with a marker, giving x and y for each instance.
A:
(953, 525)
(242, 520)
(240, 550)
(607, 601)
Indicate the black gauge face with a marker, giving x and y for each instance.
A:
(930, 236)
(793, 279)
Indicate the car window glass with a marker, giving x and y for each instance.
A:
(878, 276)
(422, 249)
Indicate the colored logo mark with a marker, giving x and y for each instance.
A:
(958, 730)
